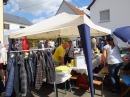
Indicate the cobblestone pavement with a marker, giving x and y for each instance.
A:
(48, 91)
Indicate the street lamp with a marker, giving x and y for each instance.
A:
(5, 2)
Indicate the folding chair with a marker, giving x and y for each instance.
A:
(125, 79)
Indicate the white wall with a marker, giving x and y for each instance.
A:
(13, 26)
(119, 14)
(1, 22)
(65, 8)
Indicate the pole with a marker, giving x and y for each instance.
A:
(1, 22)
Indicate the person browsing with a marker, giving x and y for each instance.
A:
(69, 54)
(59, 54)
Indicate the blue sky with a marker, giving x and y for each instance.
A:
(38, 10)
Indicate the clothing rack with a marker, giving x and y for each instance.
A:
(31, 50)
(55, 88)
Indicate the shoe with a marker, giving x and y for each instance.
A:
(111, 91)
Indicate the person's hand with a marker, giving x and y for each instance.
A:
(105, 64)
(3, 78)
(101, 63)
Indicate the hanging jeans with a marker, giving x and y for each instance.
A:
(113, 70)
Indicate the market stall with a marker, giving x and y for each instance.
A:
(66, 25)
(78, 64)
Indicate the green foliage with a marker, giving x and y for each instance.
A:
(34, 42)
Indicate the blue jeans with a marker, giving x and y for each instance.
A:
(113, 70)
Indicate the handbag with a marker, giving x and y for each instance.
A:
(66, 55)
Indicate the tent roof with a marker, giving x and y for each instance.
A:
(63, 25)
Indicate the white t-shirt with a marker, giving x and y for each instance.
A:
(70, 53)
(113, 55)
(74, 43)
(52, 44)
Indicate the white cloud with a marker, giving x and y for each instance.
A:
(38, 20)
(47, 6)
(85, 10)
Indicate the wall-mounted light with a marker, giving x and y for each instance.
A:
(5, 2)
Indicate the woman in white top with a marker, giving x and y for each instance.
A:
(111, 55)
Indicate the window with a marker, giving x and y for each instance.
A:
(22, 27)
(6, 26)
(104, 16)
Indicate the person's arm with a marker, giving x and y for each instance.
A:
(62, 60)
(61, 56)
(3, 75)
(104, 56)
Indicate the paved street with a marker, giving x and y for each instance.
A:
(47, 91)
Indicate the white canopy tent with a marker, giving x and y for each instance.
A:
(63, 25)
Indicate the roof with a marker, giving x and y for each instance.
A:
(91, 4)
(53, 27)
(76, 10)
(16, 19)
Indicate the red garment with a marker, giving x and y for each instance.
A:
(25, 44)
(1, 65)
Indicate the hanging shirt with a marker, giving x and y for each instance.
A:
(25, 44)
(3, 53)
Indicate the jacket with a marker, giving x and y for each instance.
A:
(50, 69)
(28, 71)
(23, 76)
(16, 77)
(10, 81)
(40, 72)
(31, 66)
(9, 64)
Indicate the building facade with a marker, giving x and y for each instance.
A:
(70, 9)
(111, 14)
(12, 22)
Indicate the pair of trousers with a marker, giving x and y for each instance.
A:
(67, 60)
(113, 70)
